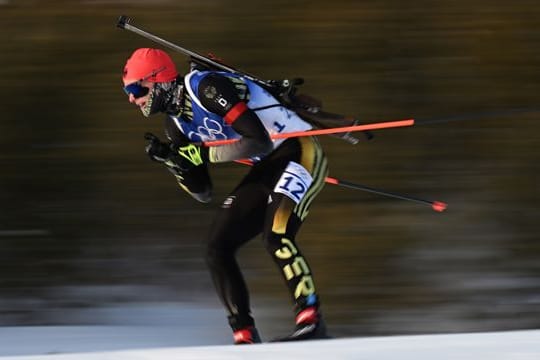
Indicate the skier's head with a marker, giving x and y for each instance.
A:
(150, 80)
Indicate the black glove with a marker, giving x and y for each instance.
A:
(157, 150)
(180, 159)
(187, 163)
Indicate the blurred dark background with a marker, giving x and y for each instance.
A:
(87, 220)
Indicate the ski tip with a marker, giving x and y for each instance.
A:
(439, 206)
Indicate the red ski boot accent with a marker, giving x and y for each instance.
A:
(248, 335)
(307, 316)
(309, 326)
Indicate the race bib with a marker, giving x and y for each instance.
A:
(294, 182)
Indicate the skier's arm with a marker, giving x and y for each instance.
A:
(219, 95)
(191, 175)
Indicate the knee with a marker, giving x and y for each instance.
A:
(216, 256)
(211, 255)
(272, 242)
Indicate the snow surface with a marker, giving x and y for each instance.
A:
(512, 345)
(190, 331)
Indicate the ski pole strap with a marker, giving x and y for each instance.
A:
(192, 153)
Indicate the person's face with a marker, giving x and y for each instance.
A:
(138, 91)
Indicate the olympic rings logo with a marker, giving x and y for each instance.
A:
(209, 131)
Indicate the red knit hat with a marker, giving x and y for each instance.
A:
(155, 64)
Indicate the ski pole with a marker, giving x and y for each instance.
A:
(435, 205)
(373, 126)
(438, 206)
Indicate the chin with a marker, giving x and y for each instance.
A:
(147, 111)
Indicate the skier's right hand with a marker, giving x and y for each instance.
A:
(181, 161)
(156, 149)
(186, 164)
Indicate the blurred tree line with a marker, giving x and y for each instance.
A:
(84, 208)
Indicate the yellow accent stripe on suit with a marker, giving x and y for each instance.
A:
(314, 160)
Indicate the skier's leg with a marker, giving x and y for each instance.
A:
(238, 220)
(291, 200)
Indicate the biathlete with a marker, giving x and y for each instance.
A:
(273, 199)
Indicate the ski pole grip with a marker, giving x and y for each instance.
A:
(122, 21)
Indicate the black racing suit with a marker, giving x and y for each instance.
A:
(253, 207)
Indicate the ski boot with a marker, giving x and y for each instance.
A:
(309, 326)
(247, 335)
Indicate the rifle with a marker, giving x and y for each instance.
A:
(307, 107)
